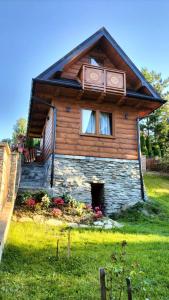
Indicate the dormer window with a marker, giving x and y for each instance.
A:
(94, 61)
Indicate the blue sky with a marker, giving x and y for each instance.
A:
(35, 34)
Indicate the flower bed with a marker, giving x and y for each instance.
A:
(62, 207)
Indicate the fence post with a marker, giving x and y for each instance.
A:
(68, 243)
(102, 283)
(129, 290)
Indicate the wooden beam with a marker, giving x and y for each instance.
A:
(57, 93)
(38, 115)
(138, 105)
(79, 95)
(35, 135)
(138, 86)
(101, 97)
(121, 101)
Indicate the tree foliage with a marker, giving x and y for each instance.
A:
(155, 127)
(19, 129)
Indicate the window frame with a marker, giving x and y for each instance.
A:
(98, 114)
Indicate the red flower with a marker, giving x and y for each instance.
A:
(98, 214)
(97, 208)
(30, 202)
(56, 212)
(58, 201)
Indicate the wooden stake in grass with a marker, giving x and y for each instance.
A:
(57, 249)
(68, 242)
(102, 283)
(129, 290)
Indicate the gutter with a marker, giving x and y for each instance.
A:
(76, 85)
(60, 82)
(132, 94)
(139, 159)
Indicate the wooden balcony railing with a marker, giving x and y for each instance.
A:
(103, 80)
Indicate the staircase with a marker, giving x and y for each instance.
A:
(32, 176)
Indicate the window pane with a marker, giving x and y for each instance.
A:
(105, 123)
(88, 121)
(93, 62)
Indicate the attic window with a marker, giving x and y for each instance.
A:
(96, 62)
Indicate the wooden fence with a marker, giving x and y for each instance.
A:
(9, 174)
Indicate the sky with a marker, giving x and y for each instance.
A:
(36, 33)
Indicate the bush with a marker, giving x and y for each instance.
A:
(156, 150)
(143, 145)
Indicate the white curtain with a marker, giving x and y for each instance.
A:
(88, 121)
(105, 123)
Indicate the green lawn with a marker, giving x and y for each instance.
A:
(29, 269)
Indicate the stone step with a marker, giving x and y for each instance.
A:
(33, 175)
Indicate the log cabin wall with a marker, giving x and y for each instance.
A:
(69, 141)
(46, 144)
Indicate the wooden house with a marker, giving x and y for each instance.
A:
(86, 108)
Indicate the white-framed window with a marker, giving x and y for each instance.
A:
(88, 121)
(97, 122)
(105, 122)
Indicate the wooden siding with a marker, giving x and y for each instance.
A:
(46, 144)
(72, 71)
(70, 141)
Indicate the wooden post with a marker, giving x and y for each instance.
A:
(102, 284)
(68, 243)
(57, 249)
(129, 290)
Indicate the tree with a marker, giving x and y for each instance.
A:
(156, 126)
(7, 140)
(19, 129)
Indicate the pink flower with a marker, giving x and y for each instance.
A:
(56, 212)
(30, 202)
(58, 201)
(98, 214)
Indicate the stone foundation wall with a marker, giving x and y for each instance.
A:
(121, 179)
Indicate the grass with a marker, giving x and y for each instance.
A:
(29, 269)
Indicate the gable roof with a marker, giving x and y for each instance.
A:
(88, 43)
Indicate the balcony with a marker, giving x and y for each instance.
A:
(103, 80)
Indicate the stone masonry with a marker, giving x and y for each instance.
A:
(121, 179)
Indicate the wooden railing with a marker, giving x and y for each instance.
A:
(32, 155)
(102, 79)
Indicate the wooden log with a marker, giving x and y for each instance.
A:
(102, 276)
(129, 289)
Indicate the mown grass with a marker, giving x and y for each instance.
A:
(29, 269)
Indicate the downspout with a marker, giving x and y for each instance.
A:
(139, 159)
(53, 135)
(53, 146)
